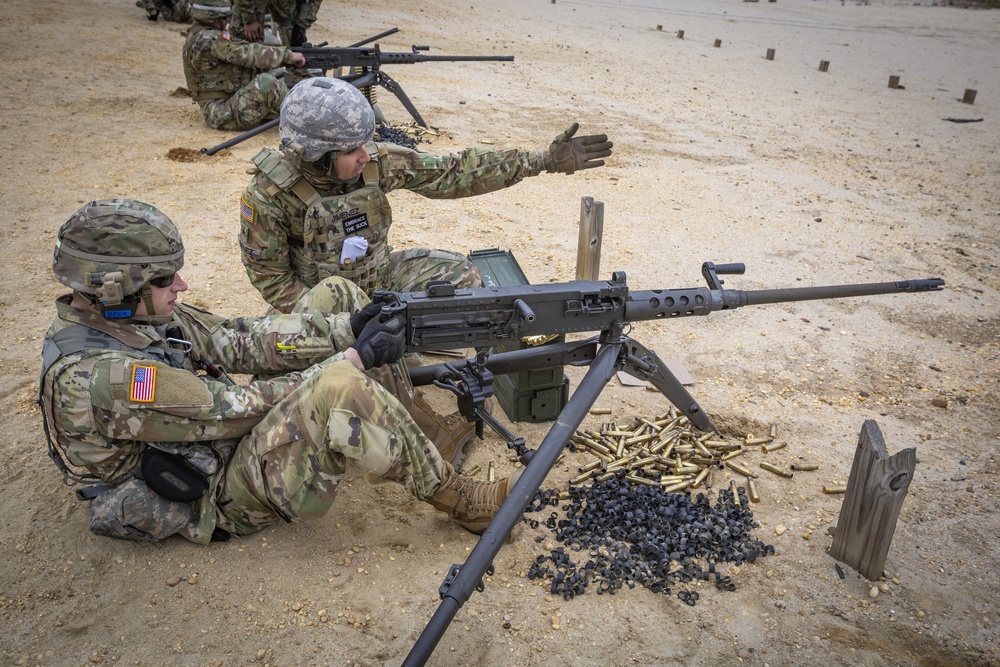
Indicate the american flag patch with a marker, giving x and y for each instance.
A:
(246, 211)
(143, 383)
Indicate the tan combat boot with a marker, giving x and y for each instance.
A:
(472, 503)
(450, 434)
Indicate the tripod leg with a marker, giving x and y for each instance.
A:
(390, 84)
(466, 577)
(645, 365)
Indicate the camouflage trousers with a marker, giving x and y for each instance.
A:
(178, 10)
(290, 465)
(410, 270)
(251, 105)
(285, 14)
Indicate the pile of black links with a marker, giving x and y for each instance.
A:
(392, 135)
(630, 534)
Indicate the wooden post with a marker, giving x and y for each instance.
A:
(770, 54)
(894, 81)
(875, 493)
(588, 250)
(970, 96)
(824, 65)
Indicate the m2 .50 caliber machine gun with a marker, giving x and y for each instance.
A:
(363, 65)
(445, 318)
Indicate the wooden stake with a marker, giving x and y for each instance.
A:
(588, 249)
(875, 493)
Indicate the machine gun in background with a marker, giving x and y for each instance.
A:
(445, 318)
(364, 67)
(364, 71)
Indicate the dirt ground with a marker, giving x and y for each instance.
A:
(722, 155)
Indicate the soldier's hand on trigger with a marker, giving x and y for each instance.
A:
(381, 342)
(298, 60)
(568, 153)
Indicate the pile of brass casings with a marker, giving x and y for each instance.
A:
(666, 451)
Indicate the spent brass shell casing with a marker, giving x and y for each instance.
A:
(600, 411)
(640, 438)
(756, 441)
(563, 495)
(834, 489)
(700, 478)
(593, 465)
(714, 444)
(584, 477)
(491, 472)
(772, 446)
(775, 469)
(605, 477)
(805, 466)
(676, 487)
(735, 467)
(735, 492)
(731, 455)
(641, 480)
(703, 449)
(473, 471)
(774, 431)
(754, 497)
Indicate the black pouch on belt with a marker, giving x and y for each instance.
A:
(168, 475)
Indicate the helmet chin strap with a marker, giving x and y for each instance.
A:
(151, 317)
(327, 177)
(125, 309)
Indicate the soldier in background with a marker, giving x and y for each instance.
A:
(133, 392)
(291, 18)
(229, 78)
(178, 11)
(318, 206)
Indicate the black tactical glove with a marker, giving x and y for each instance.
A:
(381, 343)
(361, 318)
(298, 36)
(567, 154)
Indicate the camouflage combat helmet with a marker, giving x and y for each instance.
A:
(210, 10)
(110, 249)
(324, 114)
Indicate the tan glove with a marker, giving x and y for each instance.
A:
(567, 154)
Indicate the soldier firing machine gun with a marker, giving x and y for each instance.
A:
(444, 318)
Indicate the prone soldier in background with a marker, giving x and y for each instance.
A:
(178, 11)
(229, 78)
(291, 18)
(133, 392)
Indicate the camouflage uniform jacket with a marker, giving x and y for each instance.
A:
(99, 426)
(273, 220)
(216, 66)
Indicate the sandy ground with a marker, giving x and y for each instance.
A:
(808, 177)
